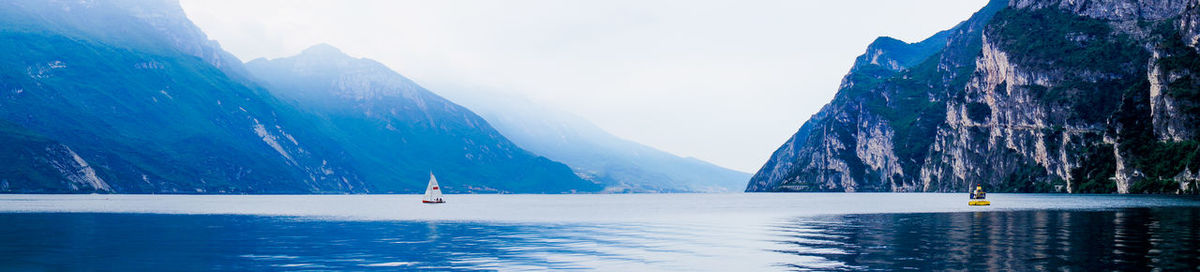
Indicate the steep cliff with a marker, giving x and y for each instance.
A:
(1025, 96)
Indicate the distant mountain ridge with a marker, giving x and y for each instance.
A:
(128, 96)
(396, 128)
(1025, 96)
(621, 165)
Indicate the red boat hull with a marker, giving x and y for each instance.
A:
(431, 202)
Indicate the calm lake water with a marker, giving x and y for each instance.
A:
(673, 232)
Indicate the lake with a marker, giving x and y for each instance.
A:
(638, 232)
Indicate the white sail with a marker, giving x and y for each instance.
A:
(433, 193)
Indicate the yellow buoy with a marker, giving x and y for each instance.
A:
(978, 197)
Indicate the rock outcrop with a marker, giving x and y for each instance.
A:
(1025, 96)
(35, 164)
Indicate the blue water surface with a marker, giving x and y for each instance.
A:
(671, 232)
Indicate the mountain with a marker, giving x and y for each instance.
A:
(128, 96)
(621, 165)
(399, 131)
(135, 93)
(1025, 96)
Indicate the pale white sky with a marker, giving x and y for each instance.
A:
(722, 81)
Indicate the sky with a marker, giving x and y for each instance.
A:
(723, 81)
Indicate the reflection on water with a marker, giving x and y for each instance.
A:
(136, 242)
(151, 242)
(1122, 240)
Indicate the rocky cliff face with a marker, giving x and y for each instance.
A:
(35, 164)
(1026, 96)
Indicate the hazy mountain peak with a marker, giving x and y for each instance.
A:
(325, 70)
(323, 50)
(157, 25)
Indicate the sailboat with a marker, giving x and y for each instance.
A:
(433, 194)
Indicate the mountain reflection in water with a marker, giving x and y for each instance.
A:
(676, 232)
(1123, 240)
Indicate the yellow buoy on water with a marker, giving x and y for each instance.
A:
(978, 197)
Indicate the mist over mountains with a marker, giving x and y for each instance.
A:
(621, 165)
(131, 97)
(395, 128)
(123, 96)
